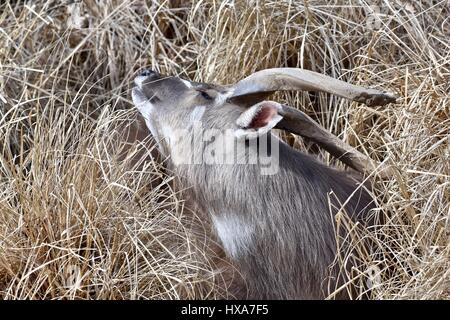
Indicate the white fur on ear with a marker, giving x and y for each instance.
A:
(258, 120)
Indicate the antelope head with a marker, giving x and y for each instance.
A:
(170, 102)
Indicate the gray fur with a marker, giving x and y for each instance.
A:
(277, 229)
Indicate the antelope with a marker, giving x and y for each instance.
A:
(277, 225)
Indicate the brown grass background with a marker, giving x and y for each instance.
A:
(76, 221)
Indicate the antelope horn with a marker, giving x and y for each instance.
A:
(301, 124)
(262, 83)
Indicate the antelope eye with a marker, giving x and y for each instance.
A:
(154, 99)
(205, 95)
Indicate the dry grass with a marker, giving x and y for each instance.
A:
(76, 221)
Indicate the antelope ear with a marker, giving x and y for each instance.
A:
(258, 120)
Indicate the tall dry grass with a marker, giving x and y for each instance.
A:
(77, 220)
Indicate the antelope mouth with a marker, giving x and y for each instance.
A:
(137, 93)
(144, 75)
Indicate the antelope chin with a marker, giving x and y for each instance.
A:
(141, 102)
(137, 95)
(146, 109)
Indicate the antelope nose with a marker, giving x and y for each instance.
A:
(148, 73)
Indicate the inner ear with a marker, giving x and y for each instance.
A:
(258, 119)
(263, 117)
